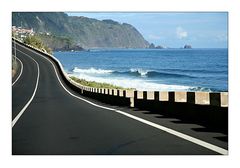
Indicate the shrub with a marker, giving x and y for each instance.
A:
(36, 42)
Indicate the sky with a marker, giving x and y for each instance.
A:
(201, 30)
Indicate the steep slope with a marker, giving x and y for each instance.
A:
(85, 32)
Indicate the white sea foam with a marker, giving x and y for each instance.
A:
(139, 84)
(142, 84)
(92, 71)
(142, 72)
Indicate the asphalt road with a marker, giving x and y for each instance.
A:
(47, 119)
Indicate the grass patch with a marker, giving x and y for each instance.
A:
(97, 84)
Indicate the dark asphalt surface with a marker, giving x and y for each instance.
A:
(57, 123)
(23, 89)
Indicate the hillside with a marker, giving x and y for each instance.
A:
(82, 31)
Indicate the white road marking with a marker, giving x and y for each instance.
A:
(30, 100)
(20, 71)
(160, 127)
(178, 134)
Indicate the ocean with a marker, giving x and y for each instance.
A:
(151, 69)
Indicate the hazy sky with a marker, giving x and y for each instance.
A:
(201, 30)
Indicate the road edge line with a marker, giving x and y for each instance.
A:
(168, 130)
(34, 92)
(20, 71)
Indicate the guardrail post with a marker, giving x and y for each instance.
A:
(130, 95)
(202, 98)
(180, 97)
(224, 99)
(163, 96)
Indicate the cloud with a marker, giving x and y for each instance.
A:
(181, 33)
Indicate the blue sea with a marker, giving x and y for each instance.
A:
(151, 69)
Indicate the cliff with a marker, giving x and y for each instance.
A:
(81, 31)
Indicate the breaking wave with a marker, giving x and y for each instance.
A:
(92, 71)
(131, 72)
(139, 83)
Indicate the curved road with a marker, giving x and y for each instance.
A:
(47, 119)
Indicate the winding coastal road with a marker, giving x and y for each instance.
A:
(50, 118)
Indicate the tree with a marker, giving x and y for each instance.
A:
(36, 42)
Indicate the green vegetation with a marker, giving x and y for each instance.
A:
(14, 66)
(56, 42)
(36, 42)
(82, 31)
(97, 84)
(59, 43)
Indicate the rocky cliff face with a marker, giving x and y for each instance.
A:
(84, 32)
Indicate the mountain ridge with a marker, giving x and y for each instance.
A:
(84, 32)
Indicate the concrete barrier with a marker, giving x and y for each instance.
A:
(163, 96)
(180, 97)
(205, 106)
(224, 99)
(207, 109)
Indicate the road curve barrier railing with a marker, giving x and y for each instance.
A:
(204, 106)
